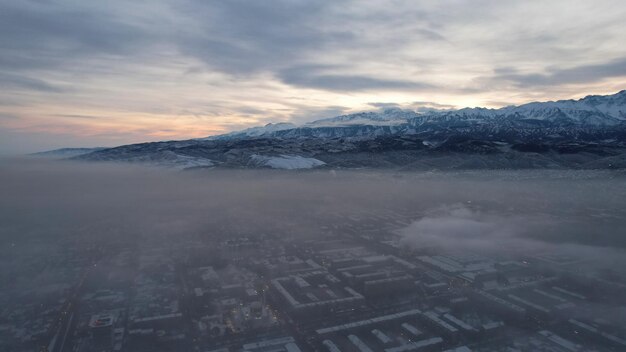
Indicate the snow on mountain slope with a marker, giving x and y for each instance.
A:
(170, 159)
(255, 131)
(594, 110)
(288, 162)
(591, 111)
(568, 133)
(387, 117)
(608, 105)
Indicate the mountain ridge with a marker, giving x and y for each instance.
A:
(563, 134)
(569, 111)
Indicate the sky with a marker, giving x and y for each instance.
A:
(104, 73)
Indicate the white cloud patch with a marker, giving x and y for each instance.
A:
(461, 227)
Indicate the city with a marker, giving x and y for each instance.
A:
(352, 287)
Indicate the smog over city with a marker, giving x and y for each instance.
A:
(133, 242)
(312, 175)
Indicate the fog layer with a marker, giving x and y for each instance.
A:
(58, 217)
(50, 200)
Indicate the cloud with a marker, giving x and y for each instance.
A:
(351, 83)
(463, 227)
(433, 105)
(235, 63)
(18, 82)
(428, 106)
(305, 114)
(242, 37)
(75, 116)
(4, 116)
(458, 227)
(556, 76)
(419, 106)
(430, 34)
(384, 105)
(311, 76)
(35, 34)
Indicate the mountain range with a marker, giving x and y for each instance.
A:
(589, 133)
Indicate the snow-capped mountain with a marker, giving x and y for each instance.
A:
(608, 109)
(589, 112)
(585, 133)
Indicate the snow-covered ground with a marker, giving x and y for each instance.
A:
(288, 162)
(172, 160)
(181, 162)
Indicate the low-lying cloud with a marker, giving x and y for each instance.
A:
(460, 227)
(464, 228)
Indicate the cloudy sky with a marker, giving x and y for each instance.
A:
(104, 73)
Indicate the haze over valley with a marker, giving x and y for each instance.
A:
(131, 245)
